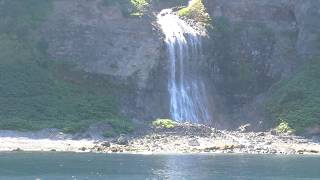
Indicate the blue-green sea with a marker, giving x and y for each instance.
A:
(65, 166)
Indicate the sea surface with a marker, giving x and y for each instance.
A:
(71, 166)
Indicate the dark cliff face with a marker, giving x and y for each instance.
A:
(255, 44)
(252, 45)
(100, 39)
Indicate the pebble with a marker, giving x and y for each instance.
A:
(194, 142)
(219, 141)
(106, 144)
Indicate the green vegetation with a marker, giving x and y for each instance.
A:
(119, 126)
(108, 134)
(139, 6)
(164, 123)
(129, 7)
(297, 100)
(20, 17)
(222, 25)
(284, 127)
(37, 93)
(171, 3)
(197, 11)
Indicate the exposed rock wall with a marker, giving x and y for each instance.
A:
(307, 16)
(100, 39)
(294, 18)
(254, 44)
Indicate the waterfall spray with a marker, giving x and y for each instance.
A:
(186, 88)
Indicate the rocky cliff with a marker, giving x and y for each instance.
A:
(254, 45)
(108, 49)
(101, 39)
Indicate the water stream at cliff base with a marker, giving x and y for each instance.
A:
(186, 88)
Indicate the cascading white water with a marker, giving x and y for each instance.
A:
(186, 87)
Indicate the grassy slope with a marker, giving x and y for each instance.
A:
(33, 94)
(297, 100)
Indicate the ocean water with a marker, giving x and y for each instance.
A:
(65, 166)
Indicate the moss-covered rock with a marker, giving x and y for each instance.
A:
(196, 11)
(164, 123)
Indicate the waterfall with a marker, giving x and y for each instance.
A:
(188, 97)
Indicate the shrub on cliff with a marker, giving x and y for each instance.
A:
(129, 7)
(284, 127)
(197, 11)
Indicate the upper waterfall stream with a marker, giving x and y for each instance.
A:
(188, 97)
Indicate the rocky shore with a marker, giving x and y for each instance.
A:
(183, 138)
